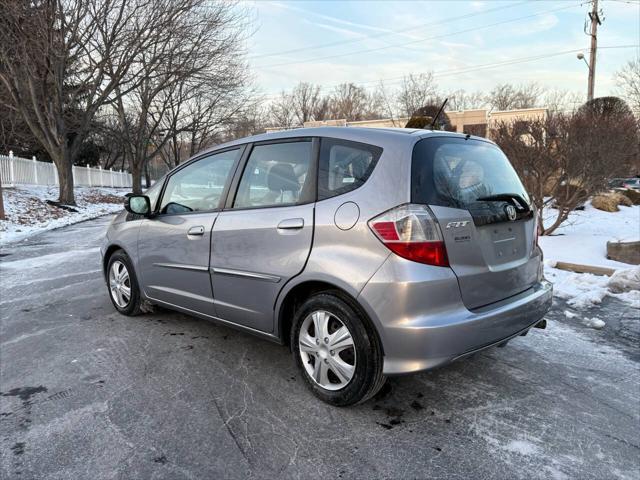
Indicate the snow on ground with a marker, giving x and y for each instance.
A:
(584, 290)
(27, 212)
(583, 239)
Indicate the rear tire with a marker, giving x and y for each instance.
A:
(342, 362)
(122, 284)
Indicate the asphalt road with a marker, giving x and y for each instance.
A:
(90, 394)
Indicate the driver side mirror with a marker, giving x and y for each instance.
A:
(138, 205)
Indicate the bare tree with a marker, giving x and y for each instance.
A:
(191, 70)
(350, 102)
(282, 111)
(563, 158)
(251, 122)
(415, 92)
(306, 99)
(461, 100)
(509, 97)
(384, 103)
(322, 109)
(377, 104)
(628, 81)
(502, 97)
(54, 56)
(305, 103)
(109, 137)
(205, 119)
(562, 101)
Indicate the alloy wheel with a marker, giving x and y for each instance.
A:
(327, 350)
(120, 284)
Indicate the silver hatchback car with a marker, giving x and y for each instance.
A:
(370, 252)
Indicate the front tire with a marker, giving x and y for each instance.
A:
(336, 350)
(123, 284)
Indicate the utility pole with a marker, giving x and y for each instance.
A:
(595, 21)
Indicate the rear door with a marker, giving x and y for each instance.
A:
(263, 238)
(485, 215)
(173, 246)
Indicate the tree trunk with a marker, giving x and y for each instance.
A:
(65, 179)
(147, 179)
(563, 214)
(136, 177)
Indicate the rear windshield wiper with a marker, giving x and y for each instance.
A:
(514, 198)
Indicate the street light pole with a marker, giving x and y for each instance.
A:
(590, 92)
(595, 21)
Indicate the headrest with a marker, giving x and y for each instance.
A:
(282, 178)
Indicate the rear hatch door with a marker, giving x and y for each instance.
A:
(484, 213)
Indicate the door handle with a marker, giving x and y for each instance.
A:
(197, 230)
(291, 224)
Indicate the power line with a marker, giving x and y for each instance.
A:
(384, 34)
(471, 68)
(417, 41)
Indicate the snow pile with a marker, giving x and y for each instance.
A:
(583, 237)
(28, 213)
(583, 240)
(625, 280)
(583, 290)
(594, 322)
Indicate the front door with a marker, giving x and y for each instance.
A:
(264, 239)
(174, 246)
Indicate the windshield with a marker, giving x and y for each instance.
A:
(464, 173)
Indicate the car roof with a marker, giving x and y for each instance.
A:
(371, 135)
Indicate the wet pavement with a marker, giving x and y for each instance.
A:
(89, 394)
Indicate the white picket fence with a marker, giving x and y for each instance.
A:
(16, 170)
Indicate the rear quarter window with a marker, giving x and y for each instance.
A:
(344, 166)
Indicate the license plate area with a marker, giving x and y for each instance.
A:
(505, 239)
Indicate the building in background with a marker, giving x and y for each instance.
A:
(476, 122)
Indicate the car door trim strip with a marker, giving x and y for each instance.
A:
(182, 266)
(182, 293)
(242, 273)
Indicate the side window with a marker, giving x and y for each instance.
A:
(344, 166)
(276, 174)
(199, 185)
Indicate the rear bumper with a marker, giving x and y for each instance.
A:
(423, 323)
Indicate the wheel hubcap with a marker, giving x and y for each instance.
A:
(327, 350)
(119, 284)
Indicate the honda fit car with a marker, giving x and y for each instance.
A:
(369, 252)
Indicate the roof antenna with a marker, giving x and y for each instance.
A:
(433, 123)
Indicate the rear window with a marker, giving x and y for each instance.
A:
(456, 173)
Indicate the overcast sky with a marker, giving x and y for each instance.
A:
(371, 41)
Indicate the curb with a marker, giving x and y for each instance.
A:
(577, 268)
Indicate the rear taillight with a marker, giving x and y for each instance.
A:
(411, 232)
